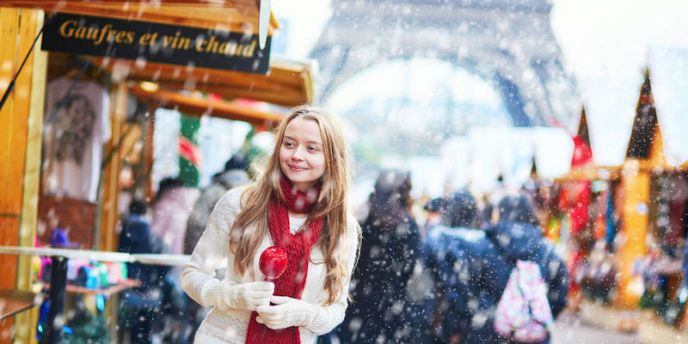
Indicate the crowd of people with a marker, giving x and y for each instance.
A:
(466, 260)
(472, 272)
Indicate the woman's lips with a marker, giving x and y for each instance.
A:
(297, 168)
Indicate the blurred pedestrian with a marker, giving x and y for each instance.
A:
(487, 212)
(171, 209)
(433, 208)
(482, 263)
(234, 175)
(444, 253)
(381, 311)
(298, 205)
(139, 308)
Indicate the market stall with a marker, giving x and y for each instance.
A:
(663, 215)
(155, 80)
(584, 212)
(644, 233)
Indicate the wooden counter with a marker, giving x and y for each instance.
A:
(15, 301)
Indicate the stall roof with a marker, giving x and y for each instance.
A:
(235, 15)
(193, 105)
(288, 82)
(583, 131)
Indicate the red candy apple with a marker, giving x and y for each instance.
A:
(273, 262)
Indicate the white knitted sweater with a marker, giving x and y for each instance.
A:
(212, 253)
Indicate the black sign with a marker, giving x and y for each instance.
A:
(154, 42)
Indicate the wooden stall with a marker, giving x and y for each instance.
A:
(285, 83)
(646, 240)
(657, 223)
(645, 153)
(585, 196)
(20, 154)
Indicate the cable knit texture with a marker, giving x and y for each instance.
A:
(286, 312)
(212, 253)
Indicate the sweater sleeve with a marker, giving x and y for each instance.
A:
(211, 251)
(329, 316)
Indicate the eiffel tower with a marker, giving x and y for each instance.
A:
(507, 42)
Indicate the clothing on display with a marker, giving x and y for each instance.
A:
(76, 126)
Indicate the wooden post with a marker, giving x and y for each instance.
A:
(106, 236)
(32, 171)
(20, 144)
(636, 202)
(12, 145)
(148, 150)
(106, 240)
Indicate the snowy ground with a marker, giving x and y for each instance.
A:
(572, 329)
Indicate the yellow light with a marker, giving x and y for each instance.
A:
(149, 86)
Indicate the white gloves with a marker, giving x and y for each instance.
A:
(286, 312)
(246, 296)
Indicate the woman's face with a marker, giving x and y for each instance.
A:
(301, 156)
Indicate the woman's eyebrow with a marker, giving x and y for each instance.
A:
(308, 142)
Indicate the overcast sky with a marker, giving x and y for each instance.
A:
(607, 44)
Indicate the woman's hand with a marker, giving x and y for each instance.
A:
(245, 296)
(286, 312)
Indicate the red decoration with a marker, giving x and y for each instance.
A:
(582, 154)
(273, 262)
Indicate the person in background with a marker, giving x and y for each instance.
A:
(172, 206)
(485, 260)
(518, 236)
(443, 252)
(299, 205)
(487, 212)
(382, 311)
(234, 175)
(139, 308)
(434, 208)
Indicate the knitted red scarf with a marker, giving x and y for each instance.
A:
(298, 246)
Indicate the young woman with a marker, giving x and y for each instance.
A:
(298, 204)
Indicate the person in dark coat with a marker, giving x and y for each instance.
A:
(140, 306)
(443, 251)
(380, 311)
(473, 267)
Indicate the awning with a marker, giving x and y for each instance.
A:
(190, 105)
(235, 15)
(288, 82)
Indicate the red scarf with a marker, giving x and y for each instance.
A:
(298, 246)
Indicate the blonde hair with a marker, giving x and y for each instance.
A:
(331, 204)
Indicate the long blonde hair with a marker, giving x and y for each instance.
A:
(331, 204)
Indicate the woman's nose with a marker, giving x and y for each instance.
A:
(298, 153)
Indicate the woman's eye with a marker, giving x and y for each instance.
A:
(312, 148)
(288, 144)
